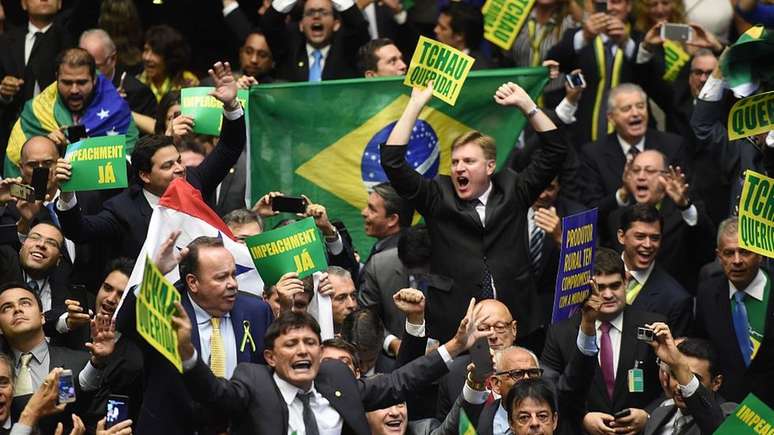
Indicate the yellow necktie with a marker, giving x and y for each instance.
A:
(632, 290)
(24, 377)
(217, 354)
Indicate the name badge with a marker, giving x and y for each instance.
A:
(636, 380)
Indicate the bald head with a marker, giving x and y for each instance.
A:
(652, 158)
(99, 45)
(493, 314)
(38, 151)
(515, 358)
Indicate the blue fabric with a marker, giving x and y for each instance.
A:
(52, 212)
(742, 327)
(315, 69)
(108, 113)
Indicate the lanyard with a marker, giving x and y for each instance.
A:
(534, 42)
(599, 51)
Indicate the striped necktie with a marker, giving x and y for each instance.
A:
(217, 353)
(535, 245)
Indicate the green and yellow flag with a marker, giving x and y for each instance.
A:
(322, 139)
(749, 61)
(466, 427)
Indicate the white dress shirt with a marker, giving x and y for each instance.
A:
(481, 205)
(755, 289)
(641, 276)
(329, 422)
(226, 333)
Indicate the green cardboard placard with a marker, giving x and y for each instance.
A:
(293, 248)
(97, 163)
(206, 110)
(751, 417)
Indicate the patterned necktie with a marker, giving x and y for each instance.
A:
(24, 377)
(535, 245)
(680, 423)
(606, 358)
(742, 327)
(310, 423)
(632, 153)
(34, 286)
(632, 289)
(315, 69)
(487, 284)
(217, 354)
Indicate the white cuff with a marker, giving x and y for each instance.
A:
(643, 54)
(335, 247)
(629, 48)
(283, 6)
(235, 114)
(386, 343)
(66, 205)
(565, 110)
(415, 330)
(690, 389)
(445, 356)
(61, 324)
(474, 397)
(713, 89)
(190, 362)
(578, 41)
(230, 8)
(400, 17)
(343, 5)
(690, 216)
(90, 377)
(20, 429)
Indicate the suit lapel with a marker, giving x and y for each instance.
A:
(486, 419)
(189, 309)
(626, 357)
(659, 418)
(726, 323)
(239, 323)
(54, 358)
(342, 405)
(18, 49)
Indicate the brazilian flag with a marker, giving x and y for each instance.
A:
(749, 61)
(465, 426)
(322, 139)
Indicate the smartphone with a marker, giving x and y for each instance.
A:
(78, 292)
(676, 32)
(622, 413)
(575, 80)
(74, 133)
(482, 358)
(289, 204)
(66, 387)
(39, 182)
(600, 6)
(644, 334)
(117, 410)
(22, 191)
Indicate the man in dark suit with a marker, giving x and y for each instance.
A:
(477, 219)
(615, 341)
(650, 287)
(325, 45)
(124, 219)
(604, 160)
(741, 336)
(279, 398)
(229, 330)
(102, 48)
(694, 379)
(686, 231)
(604, 49)
(461, 25)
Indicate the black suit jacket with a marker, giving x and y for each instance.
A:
(139, 96)
(461, 243)
(124, 219)
(254, 403)
(288, 46)
(381, 277)
(663, 295)
(684, 248)
(603, 163)
(704, 406)
(713, 321)
(561, 347)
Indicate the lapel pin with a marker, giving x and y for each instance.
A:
(300, 64)
(337, 393)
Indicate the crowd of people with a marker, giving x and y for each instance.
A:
(677, 329)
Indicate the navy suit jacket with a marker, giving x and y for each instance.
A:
(167, 408)
(662, 294)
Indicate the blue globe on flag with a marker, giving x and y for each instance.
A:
(423, 153)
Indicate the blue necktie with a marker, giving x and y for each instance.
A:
(315, 69)
(742, 327)
(52, 213)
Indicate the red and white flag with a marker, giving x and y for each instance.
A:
(182, 208)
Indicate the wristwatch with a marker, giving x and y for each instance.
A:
(532, 112)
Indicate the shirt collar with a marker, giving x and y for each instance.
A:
(617, 322)
(640, 275)
(755, 288)
(485, 196)
(7, 424)
(32, 29)
(152, 199)
(625, 146)
(38, 352)
(202, 316)
(324, 50)
(288, 390)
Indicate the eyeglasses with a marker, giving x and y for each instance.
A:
(701, 72)
(51, 243)
(519, 374)
(524, 418)
(311, 13)
(649, 170)
(499, 327)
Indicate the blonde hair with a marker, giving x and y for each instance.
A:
(643, 22)
(487, 143)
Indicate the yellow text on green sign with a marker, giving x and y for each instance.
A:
(503, 20)
(756, 214)
(675, 59)
(155, 307)
(752, 115)
(445, 65)
(752, 417)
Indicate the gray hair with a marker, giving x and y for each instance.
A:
(728, 227)
(107, 42)
(339, 271)
(623, 88)
(242, 216)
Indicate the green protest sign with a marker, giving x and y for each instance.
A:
(206, 110)
(155, 306)
(752, 115)
(751, 417)
(675, 59)
(445, 65)
(503, 20)
(293, 248)
(98, 163)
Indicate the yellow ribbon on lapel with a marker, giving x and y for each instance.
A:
(247, 336)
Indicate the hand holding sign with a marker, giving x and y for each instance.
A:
(181, 323)
(287, 288)
(446, 66)
(420, 97)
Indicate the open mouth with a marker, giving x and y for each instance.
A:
(462, 181)
(37, 256)
(317, 29)
(394, 423)
(635, 122)
(302, 365)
